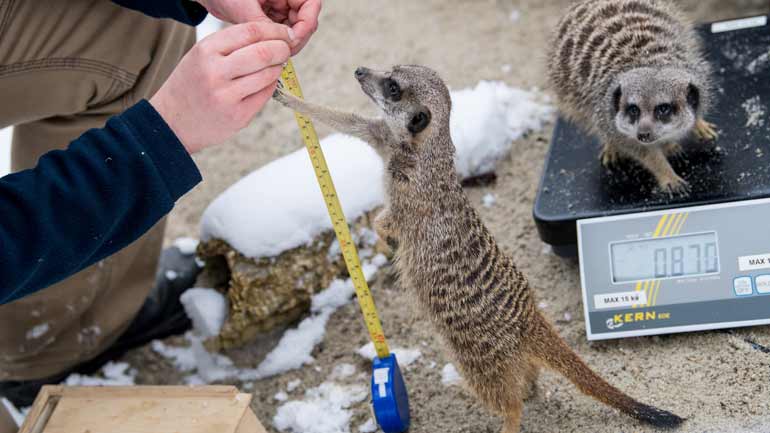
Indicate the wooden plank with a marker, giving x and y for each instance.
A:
(250, 424)
(182, 409)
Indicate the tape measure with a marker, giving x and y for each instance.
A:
(389, 397)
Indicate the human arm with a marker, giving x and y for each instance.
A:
(82, 204)
(85, 203)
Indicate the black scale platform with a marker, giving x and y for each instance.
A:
(736, 167)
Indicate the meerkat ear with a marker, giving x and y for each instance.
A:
(616, 99)
(693, 96)
(419, 121)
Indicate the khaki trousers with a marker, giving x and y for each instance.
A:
(65, 67)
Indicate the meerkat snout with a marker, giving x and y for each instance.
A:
(412, 97)
(652, 107)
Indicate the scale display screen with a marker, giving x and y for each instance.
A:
(662, 258)
(676, 270)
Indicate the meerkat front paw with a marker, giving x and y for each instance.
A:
(705, 131)
(609, 156)
(674, 186)
(280, 94)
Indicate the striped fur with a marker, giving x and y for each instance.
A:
(602, 45)
(467, 286)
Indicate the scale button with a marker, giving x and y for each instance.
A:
(743, 286)
(763, 284)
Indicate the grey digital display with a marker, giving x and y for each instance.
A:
(669, 257)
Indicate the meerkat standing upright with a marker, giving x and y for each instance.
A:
(472, 291)
(632, 73)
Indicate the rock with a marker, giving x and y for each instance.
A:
(271, 292)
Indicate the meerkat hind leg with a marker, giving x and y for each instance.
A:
(705, 131)
(512, 418)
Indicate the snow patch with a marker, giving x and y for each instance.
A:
(186, 246)
(293, 350)
(281, 396)
(342, 371)
(488, 200)
(279, 207)
(294, 384)
(207, 308)
(113, 374)
(487, 118)
(514, 16)
(450, 376)
(405, 357)
(370, 426)
(324, 409)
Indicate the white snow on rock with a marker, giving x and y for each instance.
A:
(324, 409)
(404, 357)
(450, 376)
(293, 350)
(171, 275)
(281, 396)
(186, 246)
(487, 118)
(113, 374)
(38, 331)
(370, 426)
(293, 384)
(279, 206)
(514, 16)
(207, 308)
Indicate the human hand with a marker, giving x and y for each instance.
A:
(301, 15)
(222, 82)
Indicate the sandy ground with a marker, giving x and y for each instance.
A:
(716, 379)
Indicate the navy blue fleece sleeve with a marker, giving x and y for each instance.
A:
(185, 11)
(80, 205)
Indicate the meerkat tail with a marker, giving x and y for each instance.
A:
(557, 355)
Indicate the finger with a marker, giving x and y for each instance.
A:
(256, 82)
(252, 104)
(255, 57)
(304, 19)
(240, 35)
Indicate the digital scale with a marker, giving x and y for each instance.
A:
(651, 264)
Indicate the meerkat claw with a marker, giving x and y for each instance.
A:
(609, 157)
(705, 130)
(675, 187)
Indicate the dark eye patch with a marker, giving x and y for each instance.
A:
(633, 112)
(391, 89)
(663, 112)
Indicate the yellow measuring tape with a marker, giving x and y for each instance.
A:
(340, 224)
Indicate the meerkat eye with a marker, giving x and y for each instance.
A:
(392, 89)
(633, 112)
(663, 111)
